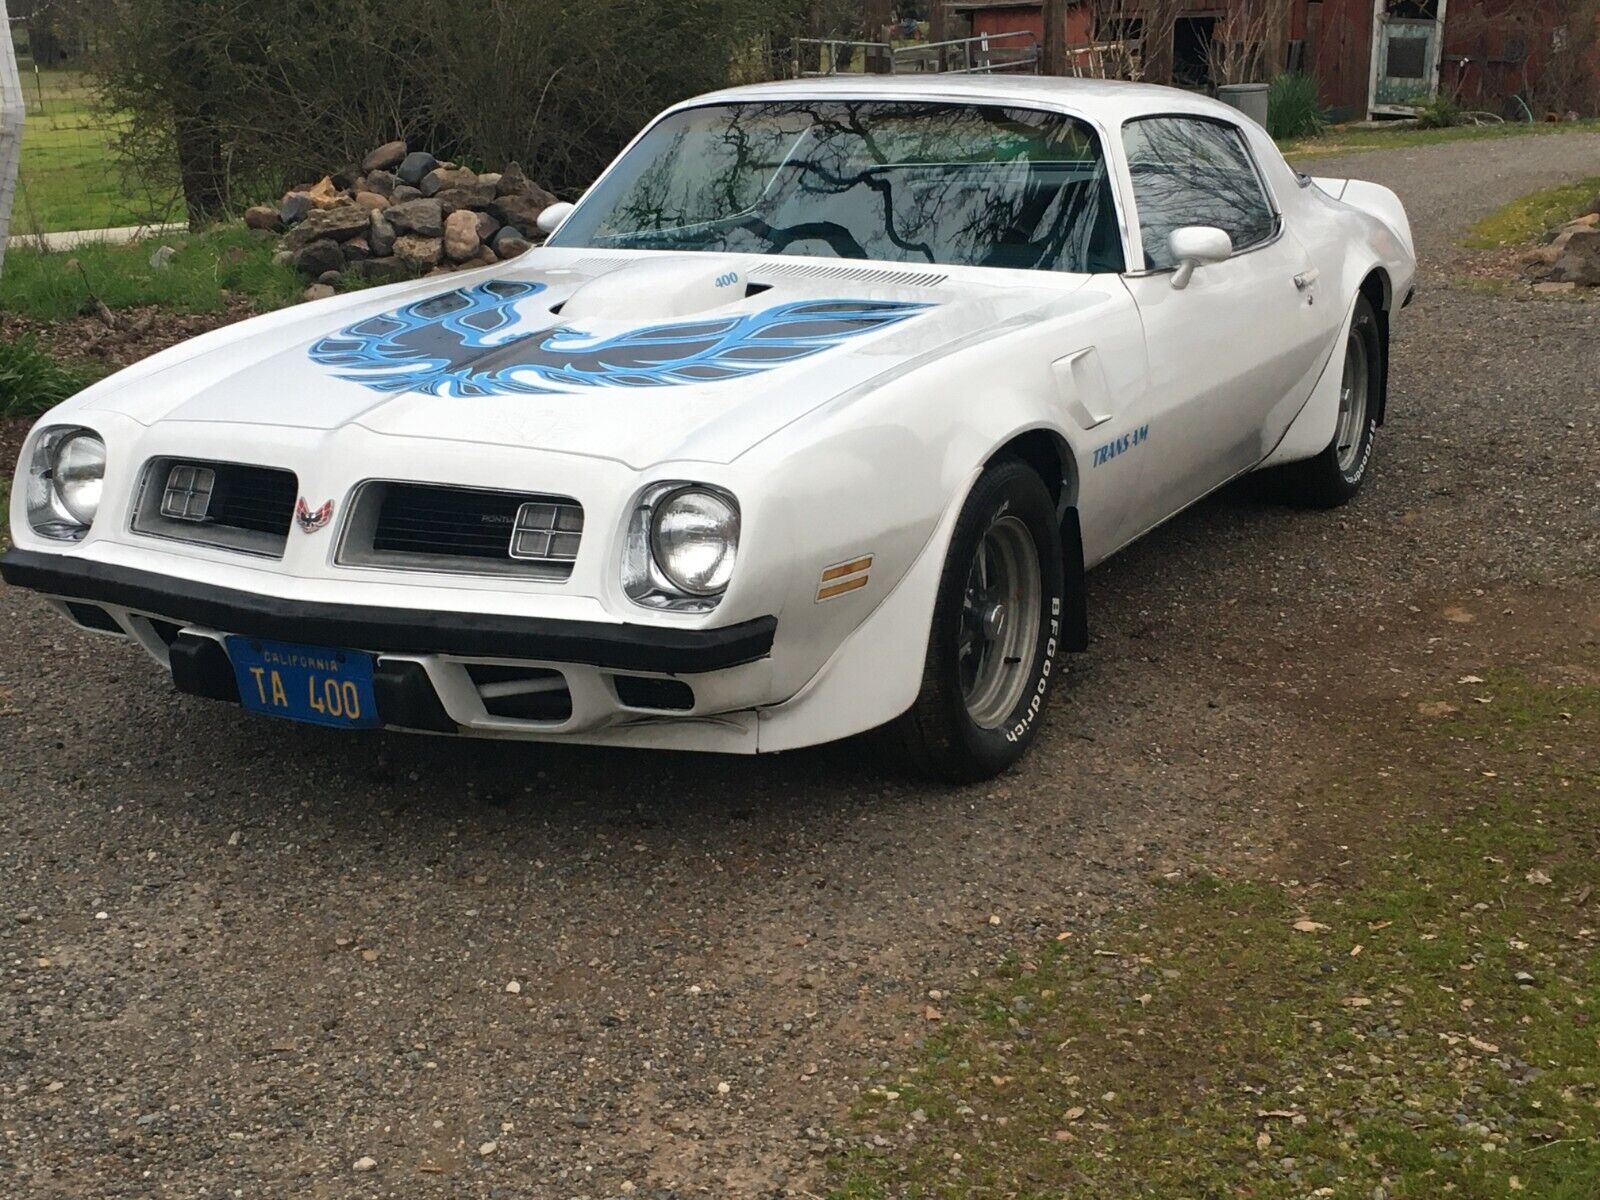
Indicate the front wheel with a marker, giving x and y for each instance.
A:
(1335, 476)
(991, 658)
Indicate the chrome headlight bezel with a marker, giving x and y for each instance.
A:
(650, 577)
(65, 482)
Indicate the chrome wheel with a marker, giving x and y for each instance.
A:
(1352, 427)
(999, 623)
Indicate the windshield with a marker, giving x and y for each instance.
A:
(953, 184)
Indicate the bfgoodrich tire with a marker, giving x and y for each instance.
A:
(1335, 476)
(991, 661)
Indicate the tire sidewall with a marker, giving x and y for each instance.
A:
(1009, 489)
(1364, 325)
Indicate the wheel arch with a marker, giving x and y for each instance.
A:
(1378, 288)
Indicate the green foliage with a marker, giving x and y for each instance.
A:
(1526, 220)
(207, 268)
(32, 380)
(1292, 108)
(1440, 112)
(245, 99)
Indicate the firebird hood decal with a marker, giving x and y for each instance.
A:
(464, 344)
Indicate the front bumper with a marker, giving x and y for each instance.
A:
(623, 647)
(426, 661)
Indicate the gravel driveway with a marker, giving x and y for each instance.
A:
(236, 957)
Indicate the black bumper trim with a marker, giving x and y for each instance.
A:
(651, 648)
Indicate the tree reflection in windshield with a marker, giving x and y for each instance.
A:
(952, 184)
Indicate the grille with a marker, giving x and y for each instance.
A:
(233, 505)
(431, 527)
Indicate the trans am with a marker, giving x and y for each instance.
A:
(808, 420)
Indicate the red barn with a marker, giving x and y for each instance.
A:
(1370, 57)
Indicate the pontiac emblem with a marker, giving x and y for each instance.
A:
(309, 521)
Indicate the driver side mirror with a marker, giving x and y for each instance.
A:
(551, 219)
(1196, 246)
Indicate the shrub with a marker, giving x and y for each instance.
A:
(247, 99)
(32, 381)
(1292, 108)
(1441, 112)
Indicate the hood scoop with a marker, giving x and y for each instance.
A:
(661, 290)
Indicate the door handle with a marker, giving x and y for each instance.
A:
(1307, 280)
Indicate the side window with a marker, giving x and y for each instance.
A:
(1189, 171)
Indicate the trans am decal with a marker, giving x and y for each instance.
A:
(464, 344)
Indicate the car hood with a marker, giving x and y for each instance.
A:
(636, 357)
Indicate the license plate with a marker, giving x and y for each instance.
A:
(305, 683)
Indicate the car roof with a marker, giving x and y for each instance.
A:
(1108, 101)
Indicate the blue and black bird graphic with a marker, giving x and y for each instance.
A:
(462, 344)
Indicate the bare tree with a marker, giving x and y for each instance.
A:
(1250, 44)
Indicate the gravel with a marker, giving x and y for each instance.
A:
(244, 958)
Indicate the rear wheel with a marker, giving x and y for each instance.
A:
(1335, 476)
(996, 629)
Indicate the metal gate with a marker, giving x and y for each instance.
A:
(1015, 53)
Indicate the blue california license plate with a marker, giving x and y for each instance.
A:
(305, 683)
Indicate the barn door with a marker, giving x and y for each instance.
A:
(1407, 46)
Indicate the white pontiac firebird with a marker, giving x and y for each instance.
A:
(807, 421)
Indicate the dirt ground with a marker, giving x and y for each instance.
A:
(237, 957)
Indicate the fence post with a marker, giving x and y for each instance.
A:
(13, 112)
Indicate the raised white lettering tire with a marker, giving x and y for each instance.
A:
(992, 651)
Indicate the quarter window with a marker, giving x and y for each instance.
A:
(1190, 171)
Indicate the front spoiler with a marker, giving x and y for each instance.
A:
(624, 647)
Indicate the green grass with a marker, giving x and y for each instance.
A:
(1434, 1031)
(1343, 140)
(206, 268)
(32, 380)
(1525, 221)
(69, 179)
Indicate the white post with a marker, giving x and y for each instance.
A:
(13, 112)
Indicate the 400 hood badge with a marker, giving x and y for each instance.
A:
(464, 344)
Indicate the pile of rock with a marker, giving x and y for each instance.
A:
(403, 213)
(1570, 259)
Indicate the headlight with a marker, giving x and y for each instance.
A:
(695, 539)
(683, 543)
(79, 473)
(66, 477)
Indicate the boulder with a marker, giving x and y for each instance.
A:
(262, 216)
(381, 236)
(414, 166)
(509, 243)
(283, 258)
(474, 197)
(371, 201)
(419, 253)
(381, 182)
(512, 180)
(461, 240)
(486, 258)
(346, 178)
(521, 210)
(487, 227)
(404, 193)
(325, 193)
(340, 224)
(1580, 261)
(318, 257)
(357, 250)
(385, 158)
(331, 278)
(379, 270)
(440, 179)
(425, 218)
(319, 291)
(492, 178)
(294, 208)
